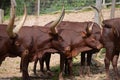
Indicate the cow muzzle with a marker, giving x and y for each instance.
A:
(99, 46)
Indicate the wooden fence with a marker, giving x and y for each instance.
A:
(1, 15)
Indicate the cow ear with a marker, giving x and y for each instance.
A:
(83, 34)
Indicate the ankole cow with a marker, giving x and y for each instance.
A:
(111, 40)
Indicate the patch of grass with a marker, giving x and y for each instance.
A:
(56, 70)
(17, 62)
(6, 17)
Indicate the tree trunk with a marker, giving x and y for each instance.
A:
(13, 3)
(112, 15)
(1, 15)
(99, 7)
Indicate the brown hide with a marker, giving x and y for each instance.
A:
(111, 31)
(76, 42)
(79, 28)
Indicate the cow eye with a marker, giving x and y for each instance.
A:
(93, 39)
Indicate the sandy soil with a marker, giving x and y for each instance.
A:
(10, 67)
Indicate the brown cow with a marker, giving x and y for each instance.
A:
(28, 43)
(110, 39)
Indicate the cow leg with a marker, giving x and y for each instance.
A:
(70, 71)
(114, 64)
(35, 65)
(108, 58)
(41, 62)
(47, 61)
(66, 67)
(89, 56)
(82, 64)
(62, 61)
(21, 66)
(25, 63)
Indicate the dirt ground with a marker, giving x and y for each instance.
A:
(9, 69)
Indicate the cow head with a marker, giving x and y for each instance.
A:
(15, 40)
(91, 37)
(12, 44)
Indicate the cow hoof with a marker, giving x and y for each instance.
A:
(41, 73)
(72, 78)
(61, 78)
(89, 75)
(117, 78)
(26, 78)
(107, 79)
(50, 73)
(82, 75)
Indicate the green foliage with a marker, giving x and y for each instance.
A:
(46, 6)
(55, 69)
(103, 50)
(69, 5)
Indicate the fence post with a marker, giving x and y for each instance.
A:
(1, 15)
(38, 7)
(103, 4)
(113, 9)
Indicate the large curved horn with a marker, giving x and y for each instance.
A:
(18, 27)
(115, 31)
(11, 23)
(90, 28)
(100, 16)
(54, 24)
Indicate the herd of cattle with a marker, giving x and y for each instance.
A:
(36, 43)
